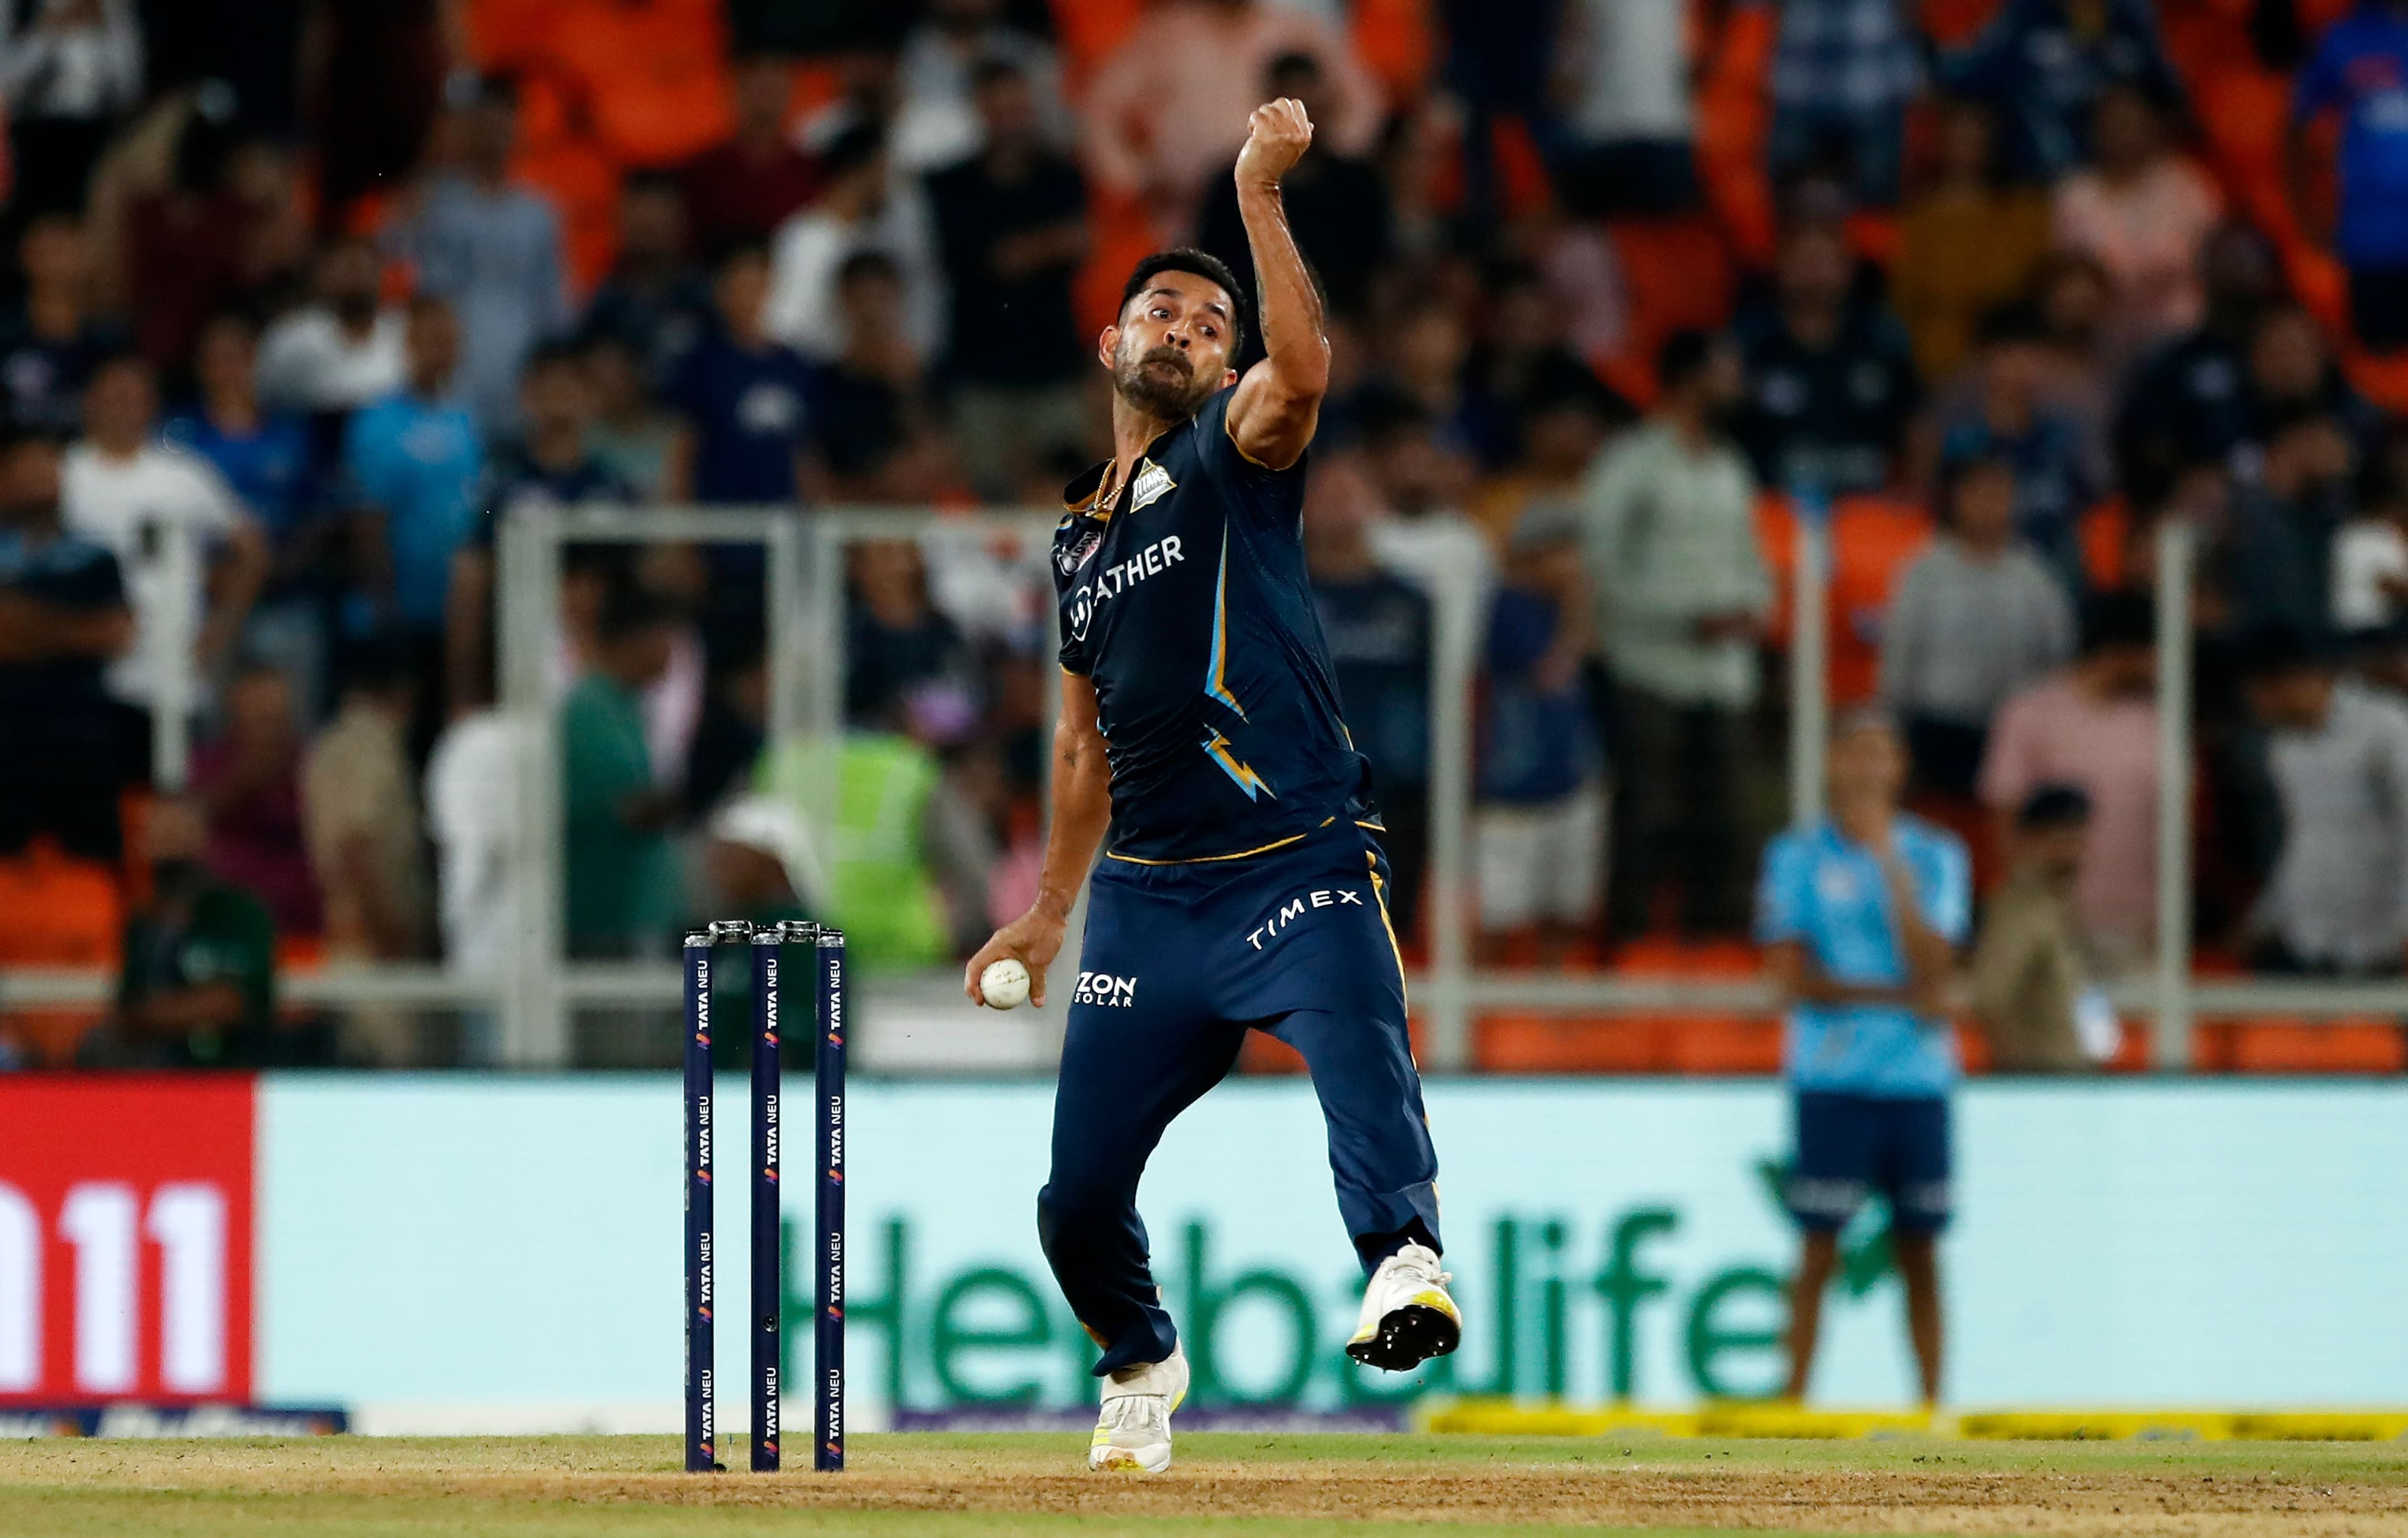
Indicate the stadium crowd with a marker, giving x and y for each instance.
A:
(1620, 291)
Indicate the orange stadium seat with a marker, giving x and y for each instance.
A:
(1872, 539)
(56, 911)
(1725, 1043)
(2277, 1045)
(1394, 39)
(1676, 273)
(1951, 22)
(583, 183)
(1733, 119)
(653, 77)
(1089, 29)
(1557, 1044)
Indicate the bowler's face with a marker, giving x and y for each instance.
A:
(1171, 348)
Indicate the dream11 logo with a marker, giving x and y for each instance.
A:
(125, 1240)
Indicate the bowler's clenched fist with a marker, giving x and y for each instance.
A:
(1277, 136)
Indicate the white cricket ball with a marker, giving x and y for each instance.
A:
(1004, 984)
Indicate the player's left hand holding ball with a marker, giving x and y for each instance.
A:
(1277, 136)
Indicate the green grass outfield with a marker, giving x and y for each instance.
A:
(1359, 1487)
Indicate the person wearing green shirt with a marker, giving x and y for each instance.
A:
(197, 988)
(623, 880)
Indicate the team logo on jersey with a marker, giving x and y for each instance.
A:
(1152, 485)
(1070, 557)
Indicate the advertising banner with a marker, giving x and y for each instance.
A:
(125, 1240)
(455, 1253)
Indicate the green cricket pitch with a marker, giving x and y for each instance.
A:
(1356, 1486)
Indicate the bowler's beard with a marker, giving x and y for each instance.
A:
(1171, 394)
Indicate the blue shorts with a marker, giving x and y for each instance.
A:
(1852, 1145)
(1301, 926)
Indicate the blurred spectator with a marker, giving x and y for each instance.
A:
(264, 457)
(1969, 243)
(895, 849)
(1842, 73)
(863, 208)
(472, 820)
(2145, 213)
(550, 464)
(1542, 818)
(741, 189)
(908, 669)
(492, 248)
(1831, 378)
(63, 619)
(373, 73)
(1562, 430)
(1976, 617)
(2275, 562)
(2292, 372)
(197, 988)
(50, 345)
(1682, 595)
(1626, 92)
(938, 120)
(1419, 373)
(2041, 64)
(266, 460)
(2360, 71)
(360, 813)
(1425, 538)
(654, 300)
(745, 401)
(2189, 401)
(872, 396)
(226, 226)
(139, 496)
(2369, 560)
(1524, 366)
(342, 351)
(2076, 298)
(248, 779)
(2058, 467)
(630, 435)
(2337, 902)
(413, 463)
(2094, 727)
(1382, 639)
(1167, 110)
(1011, 230)
(68, 69)
(2032, 981)
(1337, 208)
(622, 886)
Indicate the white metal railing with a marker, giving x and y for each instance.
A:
(805, 577)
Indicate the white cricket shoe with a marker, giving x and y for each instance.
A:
(1133, 1432)
(1407, 1317)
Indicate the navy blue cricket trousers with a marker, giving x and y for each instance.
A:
(1178, 963)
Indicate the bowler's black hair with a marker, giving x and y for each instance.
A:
(1200, 264)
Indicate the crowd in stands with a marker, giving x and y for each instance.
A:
(301, 308)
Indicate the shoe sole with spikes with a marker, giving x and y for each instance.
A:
(1407, 1337)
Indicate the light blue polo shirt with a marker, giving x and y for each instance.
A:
(1822, 889)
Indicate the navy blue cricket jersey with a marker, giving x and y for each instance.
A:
(1183, 596)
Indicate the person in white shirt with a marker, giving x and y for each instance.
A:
(194, 558)
(2336, 902)
(341, 351)
(68, 68)
(1622, 76)
(862, 209)
(2369, 561)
